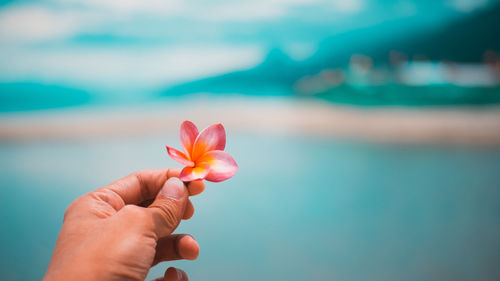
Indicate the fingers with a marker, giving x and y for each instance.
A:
(134, 189)
(176, 247)
(169, 207)
(189, 211)
(196, 187)
(140, 186)
(175, 274)
(144, 185)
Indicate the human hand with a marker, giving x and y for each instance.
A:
(113, 233)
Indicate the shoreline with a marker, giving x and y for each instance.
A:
(258, 115)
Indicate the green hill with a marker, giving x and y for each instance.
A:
(464, 40)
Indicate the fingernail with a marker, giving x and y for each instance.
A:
(173, 188)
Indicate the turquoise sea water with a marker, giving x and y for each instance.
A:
(15, 97)
(298, 209)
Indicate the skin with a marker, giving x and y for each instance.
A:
(119, 231)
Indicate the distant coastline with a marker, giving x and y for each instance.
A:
(261, 115)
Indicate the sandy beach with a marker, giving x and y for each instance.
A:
(247, 115)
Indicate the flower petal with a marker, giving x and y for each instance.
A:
(222, 165)
(179, 156)
(199, 172)
(189, 132)
(212, 138)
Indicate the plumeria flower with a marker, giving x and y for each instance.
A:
(204, 154)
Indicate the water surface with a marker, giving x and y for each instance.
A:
(298, 209)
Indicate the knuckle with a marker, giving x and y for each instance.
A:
(133, 211)
(72, 207)
(67, 212)
(137, 215)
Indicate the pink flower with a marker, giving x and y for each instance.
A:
(204, 154)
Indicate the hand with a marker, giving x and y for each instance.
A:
(113, 233)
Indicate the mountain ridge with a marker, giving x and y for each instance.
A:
(278, 72)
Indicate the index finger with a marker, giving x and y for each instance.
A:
(140, 186)
(196, 187)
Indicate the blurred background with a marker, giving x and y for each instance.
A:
(367, 132)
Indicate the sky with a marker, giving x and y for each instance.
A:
(143, 45)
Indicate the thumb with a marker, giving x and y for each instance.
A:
(168, 208)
